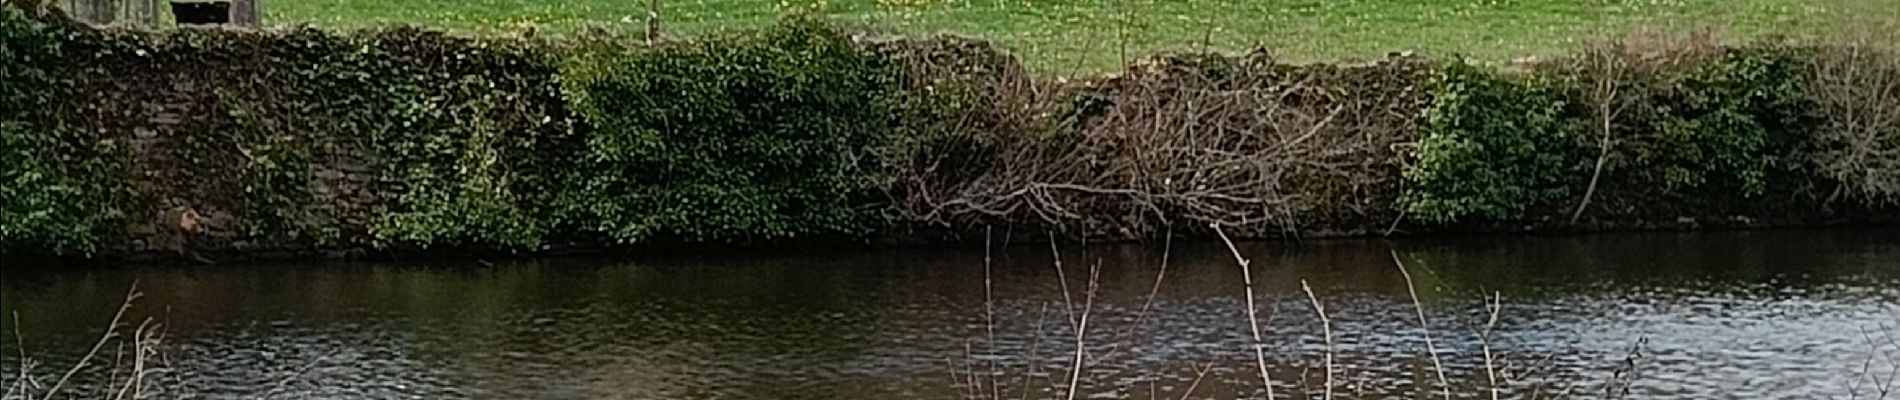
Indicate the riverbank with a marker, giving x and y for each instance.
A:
(307, 142)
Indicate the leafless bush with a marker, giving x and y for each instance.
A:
(968, 99)
(1189, 141)
(1855, 87)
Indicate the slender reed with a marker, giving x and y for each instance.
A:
(1141, 317)
(1082, 329)
(1035, 339)
(1419, 307)
(989, 315)
(1326, 327)
(26, 363)
(1253, 319)
(1490, 366)
(950, 363)
(1068, 301)
(1200, 373)
(145, 340)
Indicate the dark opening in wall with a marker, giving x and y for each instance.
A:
(202, 12)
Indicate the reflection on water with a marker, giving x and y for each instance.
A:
(1785, 314)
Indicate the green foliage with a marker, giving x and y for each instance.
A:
(1735, 127)
(59, 177)
(1493, 147)
(766, 135)
(394, 138)
(477, 137)
(447, 134)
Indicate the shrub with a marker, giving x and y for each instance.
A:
(1493, 146)
(764, 135)
(1683, 126)
(1736, 128)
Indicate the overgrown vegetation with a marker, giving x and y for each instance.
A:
(767, 134)
(476, 148)
(1494, 146)
(301, 139)
(1630, 124)
(61, 187)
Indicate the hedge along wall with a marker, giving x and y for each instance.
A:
(301, 139)
(401, 138)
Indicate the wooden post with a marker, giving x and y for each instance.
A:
(244, 13)
(136, 13)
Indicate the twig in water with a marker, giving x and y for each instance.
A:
(1893, 361)
(118, 359)
(1619, 385)
(1326, 327)
(1199, 374)
(1082, 329)
(1153, 291)
(1253, 319)
(1866, 372)
(283, 383)
(1882, 387)
(955, 380)
(112, 330)
(1490, 368)
(145, 341)
(1035, 339)
(26, 364)
(969, 373)
(989, 315)
(1068, 301)
(1419, 307)
(1166, 250)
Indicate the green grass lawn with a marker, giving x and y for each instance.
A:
(1094, 35)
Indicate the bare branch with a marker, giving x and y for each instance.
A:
(1253, 319)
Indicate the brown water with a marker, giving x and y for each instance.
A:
(1758, 315)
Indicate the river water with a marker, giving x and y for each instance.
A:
(1736, 315)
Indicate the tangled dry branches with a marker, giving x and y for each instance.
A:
(1184, 142)
(1857, 91)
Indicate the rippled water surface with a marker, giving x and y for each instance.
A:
(1754, 315)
